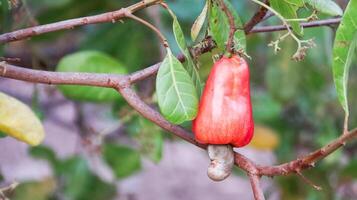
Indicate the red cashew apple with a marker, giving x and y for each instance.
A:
(225, 110)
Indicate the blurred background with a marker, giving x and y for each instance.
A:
(99, 148)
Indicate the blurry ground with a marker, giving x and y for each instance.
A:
(180, 175)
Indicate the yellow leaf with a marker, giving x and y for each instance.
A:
(17, 120)
(264, 138)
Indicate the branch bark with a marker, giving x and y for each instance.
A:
(257, 190)
(258, 17)
(325, 22)
(116, 15)
(59, 78)
(72, 23)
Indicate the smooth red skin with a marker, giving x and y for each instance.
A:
(225, 110)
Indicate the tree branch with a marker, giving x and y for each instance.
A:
(306, 180)
(123, 83)
(72, 23)
(57, 78)
(116, 15)
(152, 27)
(145, 110)
(325, 22)
(258, 17)
(232, 26)
(257, 190)
(309, 160)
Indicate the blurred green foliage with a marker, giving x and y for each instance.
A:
(2, 135)
(148, 136)
(124, 160)
(296, 99)
(73, 180)
(91, 62)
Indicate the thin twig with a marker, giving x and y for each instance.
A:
(152, 27)
(325, 22)
(10, 59)
(72, 23)
(306, 180)
(258, 17)
(6, 191)
(257, 190)
(302, 45)
(232, 26)
(309, 160)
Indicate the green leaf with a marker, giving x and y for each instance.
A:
(265, 108)
(19, 121)
(77, 181)
(123, 160)
(326, 6)
(343, 51)
(93, 62)
(80, 183)
(2, 135)
(288, 11)
(199, 24)
(75, 173)
(189, 64)
(219, 27)
(176, 93)
(298, 3)
(39, 190)
(5, 15)
(149, 136)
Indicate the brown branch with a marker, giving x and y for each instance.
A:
(152, 27)
(258, 17)
(122, 82)
(145, 110)
(306, 180)
(115, 15)
(325, 22)
(232, 26)
(45, 77)
(91, 79)
(72, 23)
(10, 59)
(257, 190)
(309, 160)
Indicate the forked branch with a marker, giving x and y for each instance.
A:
(123, 84)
